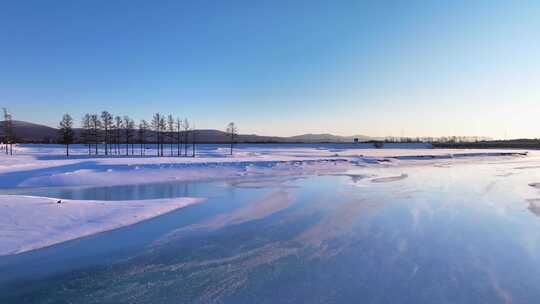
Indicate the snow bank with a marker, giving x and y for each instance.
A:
(44, 166)
(29, 223)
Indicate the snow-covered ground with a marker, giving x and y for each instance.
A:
(29, 223)
(33, 222)
(47, 166)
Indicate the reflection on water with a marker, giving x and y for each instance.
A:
(444, 234)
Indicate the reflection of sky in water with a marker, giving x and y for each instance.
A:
(440, 234)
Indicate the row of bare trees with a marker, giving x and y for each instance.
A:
(112, 131)
(115, 133)
(119, 135)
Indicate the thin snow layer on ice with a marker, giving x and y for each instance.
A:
(29, 223)
(389, 178)
(45, 165)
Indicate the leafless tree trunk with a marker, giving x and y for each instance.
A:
(95, 126)
(118, 127)
(158, 124)
(178, 135)
(128, 125)
(85, 132)
(8, 131)
(232, 131)
(186, 134)
(193, 142)
(107, 119)
(170, 133)
(143, 127)
(66, 131)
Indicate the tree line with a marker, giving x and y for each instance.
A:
(119, 135)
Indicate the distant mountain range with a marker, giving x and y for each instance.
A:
(31, 132)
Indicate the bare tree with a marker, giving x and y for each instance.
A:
(8, 131)
(155, 126)
(119, 124)
(66, 131)
(162, 128)
(95, 127)
(232, 132)
(158, 124)
(131, 135)
(143, 128)
(112, 138)
(178, 135)
(85, 132)
(186, 134)
(170, 129)
(193, 140)
(107, 120)
(128, 125)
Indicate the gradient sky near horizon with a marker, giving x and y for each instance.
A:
(379, 68)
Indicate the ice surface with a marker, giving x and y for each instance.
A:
(33, 222)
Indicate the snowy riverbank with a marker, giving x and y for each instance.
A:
(29, 223)
(46, 166)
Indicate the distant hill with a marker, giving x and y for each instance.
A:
(31, 132)
(217, 136)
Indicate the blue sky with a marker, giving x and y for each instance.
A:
(413, 68)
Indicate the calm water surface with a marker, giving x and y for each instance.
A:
(466, 233)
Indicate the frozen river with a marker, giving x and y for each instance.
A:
(445, 232)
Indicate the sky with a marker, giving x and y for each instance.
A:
(379, 68)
